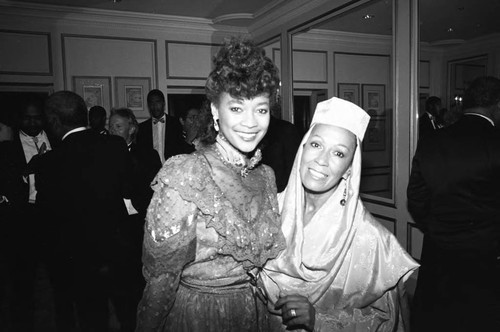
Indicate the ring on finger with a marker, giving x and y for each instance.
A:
(293, 313)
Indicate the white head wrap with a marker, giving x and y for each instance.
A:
(343, 258)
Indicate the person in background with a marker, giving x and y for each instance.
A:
(213, 220)
(453, 194)
(97, 120)
(18, 198)
(341, 269)
(162, 132)
(188, 119)
(82, 184)
(145, 164)
(280, 146)
(431, 119)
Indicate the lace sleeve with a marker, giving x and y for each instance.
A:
(169, 244)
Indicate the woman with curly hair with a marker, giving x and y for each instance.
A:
(213, 221)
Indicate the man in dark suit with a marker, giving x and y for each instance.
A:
(430, 120)
(279, 147)
(82, 185)
(162, 131)
(18, 210)
(454, 195)
(146, 163)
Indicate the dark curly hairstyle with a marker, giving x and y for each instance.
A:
(242, 70)
(482, 92)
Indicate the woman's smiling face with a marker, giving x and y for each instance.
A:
(326, 157)
(243, 122)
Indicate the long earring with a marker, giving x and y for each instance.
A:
(216, 124)
(344, 195)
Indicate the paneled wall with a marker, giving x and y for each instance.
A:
(110, 58)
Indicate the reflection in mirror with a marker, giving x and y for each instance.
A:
(458, 41)
(349, 56)
(272, 48)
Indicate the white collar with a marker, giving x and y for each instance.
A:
(26, 136)
(73, 131)
(483, 116)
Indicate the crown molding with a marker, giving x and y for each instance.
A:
(487, 41)
(111, 18)
(235, 16)
(342, 38)
(284, 16)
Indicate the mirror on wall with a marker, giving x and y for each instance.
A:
(350, 56)
(458, 42)
(272, 48)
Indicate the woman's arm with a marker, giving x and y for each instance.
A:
(169, 244)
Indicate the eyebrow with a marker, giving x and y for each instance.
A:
(337, 144)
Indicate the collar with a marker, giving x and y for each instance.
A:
(162, 119)
(26, 136)
(482, 116)
(73, 131)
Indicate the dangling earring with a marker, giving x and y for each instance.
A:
(344, 196)
(216, 124)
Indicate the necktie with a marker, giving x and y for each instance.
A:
(35, 140)
(39, 149)
(162, 120)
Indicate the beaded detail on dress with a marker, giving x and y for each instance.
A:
(235, 158)
(251, 241)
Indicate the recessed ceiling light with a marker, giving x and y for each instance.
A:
(368, 16)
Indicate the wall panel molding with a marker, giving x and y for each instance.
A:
(414, 240)
(388, 222)
(66, 37)
(25, 53)
(189, 60)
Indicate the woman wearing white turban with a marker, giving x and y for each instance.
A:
(341, 269)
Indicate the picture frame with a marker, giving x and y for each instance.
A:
(374, 99)
(375, 139)
(131, 92)
(349, 92)
(95, 90)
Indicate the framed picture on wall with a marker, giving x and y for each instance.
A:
(95, 90)
(374, 139)
(349, 91)
(131, 92)
(374, 99)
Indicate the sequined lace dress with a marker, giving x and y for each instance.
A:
(202, 237)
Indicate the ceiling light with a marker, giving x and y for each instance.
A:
(368, 16)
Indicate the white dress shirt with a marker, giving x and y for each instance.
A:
(32, 146)
(159, 129)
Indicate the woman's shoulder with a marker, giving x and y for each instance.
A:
(183, 165)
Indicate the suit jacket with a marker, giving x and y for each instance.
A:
(81, 184)
(174, 143)
(145, 164)
(12, 166)
(279, 148)
(454, 184)
(425, 125)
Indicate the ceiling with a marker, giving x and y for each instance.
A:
(467, 19)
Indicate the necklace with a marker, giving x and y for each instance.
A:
(235, 158)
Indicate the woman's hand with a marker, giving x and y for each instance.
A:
(296, 312)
